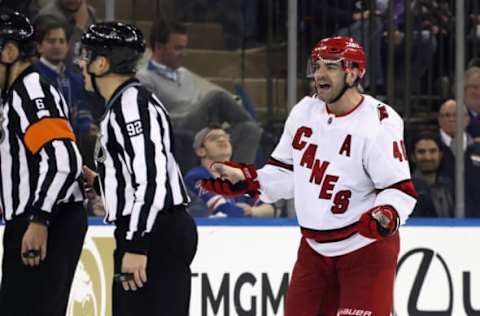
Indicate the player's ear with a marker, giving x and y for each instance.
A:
(103, 63)
(353, 74)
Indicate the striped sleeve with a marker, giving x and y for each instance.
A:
(145, 153)
(47, 135)
(60, 166)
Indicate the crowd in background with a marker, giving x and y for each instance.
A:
(211, 123)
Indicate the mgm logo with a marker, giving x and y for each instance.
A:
(88, 296)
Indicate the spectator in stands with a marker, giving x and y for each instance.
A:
(472, 100)
(447, 129)
(52, 46)
(211, 144)
(193, 102)
(78, 14)
(431, 20)
(472, 25)
(473, 62)
(472, 183)
(237, 17)
(434, 190)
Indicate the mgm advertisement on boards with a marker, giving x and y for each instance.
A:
(244, 270)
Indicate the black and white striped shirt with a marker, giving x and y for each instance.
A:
(139, 176)
(40, 164)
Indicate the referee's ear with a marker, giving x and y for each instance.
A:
(102, 64)
(10, 52)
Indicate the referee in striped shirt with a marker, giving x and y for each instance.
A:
(139, 179)
(40, 182)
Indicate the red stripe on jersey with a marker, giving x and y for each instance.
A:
(349, 112)
(277, 163)
(330, 235)
(405, 186)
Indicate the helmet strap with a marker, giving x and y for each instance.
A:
(346, 86)
(93, 79)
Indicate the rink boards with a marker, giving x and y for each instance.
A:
(242, 267)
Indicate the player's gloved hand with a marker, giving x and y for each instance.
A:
(235, 179)
(379, 222)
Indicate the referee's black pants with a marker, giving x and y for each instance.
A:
(173, 245)
(42, 290)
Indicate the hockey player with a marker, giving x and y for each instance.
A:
(342, 158)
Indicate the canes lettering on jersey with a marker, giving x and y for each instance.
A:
(318, 169)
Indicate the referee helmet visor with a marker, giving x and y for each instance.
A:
(83, 53)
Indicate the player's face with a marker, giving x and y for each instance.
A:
(173, 51)
(54, 47)
(217, 145)
(329, 79)
(427, 155)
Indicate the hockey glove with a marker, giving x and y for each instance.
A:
(235, 179)
(379, 222)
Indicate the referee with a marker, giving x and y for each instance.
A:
(40, 189)
(139, 179)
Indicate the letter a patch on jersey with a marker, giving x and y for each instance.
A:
(347, 143)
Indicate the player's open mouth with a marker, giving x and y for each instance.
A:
(324, 86)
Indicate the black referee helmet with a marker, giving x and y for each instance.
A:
(122, 44)
(16, 27)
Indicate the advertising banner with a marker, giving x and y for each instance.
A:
(243, 269)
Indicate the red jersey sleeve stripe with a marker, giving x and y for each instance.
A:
(405, 186)
(277, 163)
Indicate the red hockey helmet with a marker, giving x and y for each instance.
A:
(344, 49)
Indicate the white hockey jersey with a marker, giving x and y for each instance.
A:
(338, 167)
